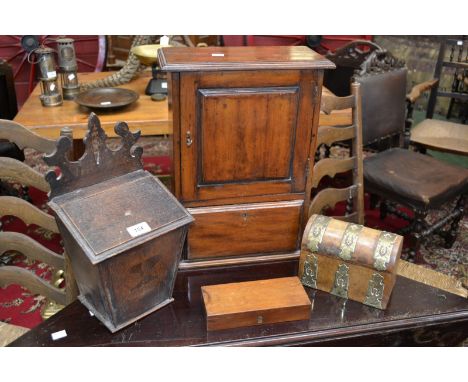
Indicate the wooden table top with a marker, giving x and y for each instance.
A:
(417, 314)
(151, 117)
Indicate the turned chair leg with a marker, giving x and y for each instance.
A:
(419, 218)
(451, 235)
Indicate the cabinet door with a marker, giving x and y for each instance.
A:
(245, 133)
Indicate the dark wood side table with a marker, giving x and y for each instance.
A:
(417, 315)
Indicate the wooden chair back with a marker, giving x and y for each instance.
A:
(16, 171)
(383, 80)
(347, 59)
(327, 135)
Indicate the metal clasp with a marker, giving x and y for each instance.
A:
(375, 291)
(341, 284)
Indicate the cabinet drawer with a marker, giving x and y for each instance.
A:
(244, 229)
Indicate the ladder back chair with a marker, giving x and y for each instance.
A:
(18, 172)
(327, 135)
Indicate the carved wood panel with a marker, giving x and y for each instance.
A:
(98, 163)
(246, 134)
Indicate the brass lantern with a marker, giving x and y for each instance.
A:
(50, 92)
(68, 67)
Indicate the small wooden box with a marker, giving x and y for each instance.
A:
(123, 230)
(349, 260)
(255, 302)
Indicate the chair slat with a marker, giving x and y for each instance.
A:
(329, 134)
(332, 102)
(27, 212)
(16, 275)
(351, 218)
(331, 167)
(22, 137)
(15, 241)
(16, 171)
(328, 197)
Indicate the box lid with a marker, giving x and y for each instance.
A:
(181, 59)
(352, 243)
(257, 302)
(115, 215)
(107, 207)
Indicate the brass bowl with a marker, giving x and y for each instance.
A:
(147, 54)
(106, 98)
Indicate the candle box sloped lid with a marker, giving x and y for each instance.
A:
(112, 216)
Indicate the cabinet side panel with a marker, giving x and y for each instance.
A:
(174, 120)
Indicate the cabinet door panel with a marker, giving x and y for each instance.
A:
(246, 134)
(242, 139)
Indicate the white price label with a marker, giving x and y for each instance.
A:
(164, 41)
(57, 335)
(164, 85)
(138, 229)
(71, 76)
(52, 74)
(217, 54)
(106, 102)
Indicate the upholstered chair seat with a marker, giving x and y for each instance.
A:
(415, 179)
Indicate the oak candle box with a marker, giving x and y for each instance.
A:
(123, 230)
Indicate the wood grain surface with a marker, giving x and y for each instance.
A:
(32, 282)
(244, 58)
(23, 137)
(244, 229)
(16, 171)
(416, 315)
(252, 303)
(149, 116)
(15, 241)
(152, 118)
(27, 212)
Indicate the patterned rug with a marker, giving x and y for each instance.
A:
(19, 307)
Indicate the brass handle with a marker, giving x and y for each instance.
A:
(188, 139)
